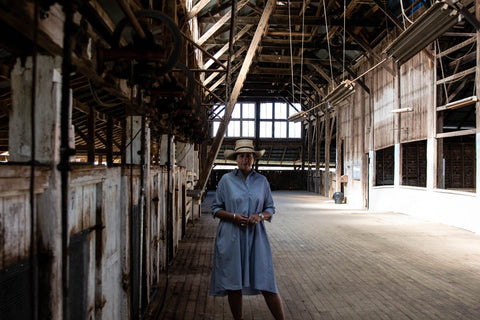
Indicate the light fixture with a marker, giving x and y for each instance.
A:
(340, 93)
(458, 104)
(429, 26)
(402, 110)
(297, 117)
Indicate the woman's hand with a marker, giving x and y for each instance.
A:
(254, 219)
(240, 219)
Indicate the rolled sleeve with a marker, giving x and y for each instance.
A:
(219, 203)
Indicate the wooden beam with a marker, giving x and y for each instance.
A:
(457, 76)
(209, 91)
(322, 73)
(220, 23)
(455, 48)
(456, 133)
(217, 141)
(225, 47)
(197, 8)
(214, 75)
(388, 13)
(203, 50)
(314, 86)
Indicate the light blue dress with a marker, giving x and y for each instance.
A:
(242, 258)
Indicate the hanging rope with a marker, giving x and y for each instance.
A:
(291, 49)
(328, 42)
(301, 59)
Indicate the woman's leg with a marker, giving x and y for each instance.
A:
(274, 303)
(236, 303)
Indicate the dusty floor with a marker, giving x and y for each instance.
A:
(333, 262)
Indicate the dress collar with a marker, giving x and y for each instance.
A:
(237, 172)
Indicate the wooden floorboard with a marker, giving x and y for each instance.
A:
(334, 262)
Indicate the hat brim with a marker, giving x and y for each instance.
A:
(232, 154)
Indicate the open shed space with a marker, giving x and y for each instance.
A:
(333, 262)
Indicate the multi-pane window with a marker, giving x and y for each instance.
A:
(273, 121)
(273, 116)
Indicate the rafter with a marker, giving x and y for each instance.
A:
(220, 23)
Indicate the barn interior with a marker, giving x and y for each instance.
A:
(115, 115)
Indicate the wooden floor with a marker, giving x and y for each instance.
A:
(332, 262)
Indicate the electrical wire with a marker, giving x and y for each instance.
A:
(404, 15)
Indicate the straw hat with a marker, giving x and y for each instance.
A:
(243, 145)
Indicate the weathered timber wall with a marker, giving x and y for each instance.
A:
(384, 92)
(118, 238)
(416, 91)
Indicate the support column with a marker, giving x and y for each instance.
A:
(47, 151)
(134, 140)
(397, 175)
(477, 112)
(477, 107)
(317, 159)
(47, 111)
(328, 139)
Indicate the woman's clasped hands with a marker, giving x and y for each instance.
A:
(243, 220)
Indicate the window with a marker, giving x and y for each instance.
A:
(384, 166)
(266, 110)
(248, 129)
(280, 130)
(233, 129)
(273, 121)
(294, 128)
(457, 163)
(265, 129)
(414, 164)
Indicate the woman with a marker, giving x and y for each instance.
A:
(242, 259)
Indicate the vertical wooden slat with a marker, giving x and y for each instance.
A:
(328, 138)
(2, 232)
(91, 136)
(109, 145)
(477, 105)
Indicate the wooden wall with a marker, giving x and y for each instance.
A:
(384, 92)
(105, 206)
(416, 91)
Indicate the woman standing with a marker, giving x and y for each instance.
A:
(242, 259)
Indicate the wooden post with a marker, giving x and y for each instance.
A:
(328, 139)
(340, 155)
(47, 112)
(47, 151)
(309, 150)
(91, 136)
(109, 146)
(477, 107)
(317, 160)
(133, 140)
(397, 127)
